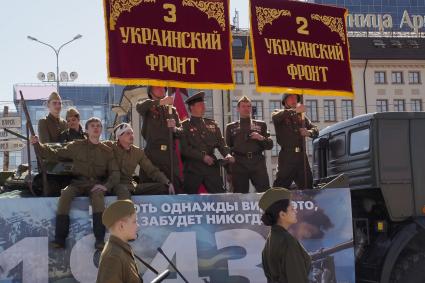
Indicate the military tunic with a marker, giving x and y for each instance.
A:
(127, 161)
(156, 134)
(292, 153)
(70, 135)
(250, 163)
(49, 128)
(201, 137)
(284, 258)
(92, 164)
(117, 263)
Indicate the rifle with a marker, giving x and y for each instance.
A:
(37, 147)
(322, 253)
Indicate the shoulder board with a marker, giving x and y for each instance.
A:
(105, 147)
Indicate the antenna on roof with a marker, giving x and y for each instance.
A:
(236, 20)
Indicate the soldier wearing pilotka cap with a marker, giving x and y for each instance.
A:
(117, 261)
(50, 127)
(74, 131)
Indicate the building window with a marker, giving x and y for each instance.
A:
(381, 105)
(414, 78)
(380, 78)
(239, 77)
(276, 147)
(235, 113)
(251, 77)
(416, 105)
(312, 112)
(397, 77)
(274, 105)
(347, 109)
(399, 105)
(329, 107)
(257, 109)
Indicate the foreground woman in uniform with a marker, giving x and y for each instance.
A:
(284, 258)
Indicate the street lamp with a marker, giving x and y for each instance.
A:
(78, 36)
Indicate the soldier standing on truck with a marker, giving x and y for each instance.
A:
(50, 127)
(247, 139)
(291, 130)
(128, 156)
(201, 137)
(95, 173)
(157, 123)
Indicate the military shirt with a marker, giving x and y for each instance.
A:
(117, 263)
(237, 136)
(154, 129)
(49, 128)
(70, 135)
(202, 136)
(93, 162)
(287, 123)
(284, 259)
(128, 160)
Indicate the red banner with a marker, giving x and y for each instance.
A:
(177, 43)
(300, 48)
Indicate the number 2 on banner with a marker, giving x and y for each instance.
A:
(171, 9)
(303, 28)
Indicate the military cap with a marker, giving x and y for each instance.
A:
(286, 95)
(117, 211)
(54, 96)
(150, 88)
(273, 195)
(195, 98)
(244, 99)
(72, 112)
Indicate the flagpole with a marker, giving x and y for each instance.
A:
(171, 143)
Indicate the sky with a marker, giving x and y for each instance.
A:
(56, 22)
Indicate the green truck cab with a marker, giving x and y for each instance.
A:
(381, 156)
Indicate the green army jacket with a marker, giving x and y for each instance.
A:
(284, 258)
(117, 263)
(128, 160)
(50, 128)
(94, 162)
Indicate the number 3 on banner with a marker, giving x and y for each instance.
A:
(171, 9)
(303, 28)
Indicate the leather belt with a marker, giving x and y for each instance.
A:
(296, 149)
(161, 147)
(248, 154)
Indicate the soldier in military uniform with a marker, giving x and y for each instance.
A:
(291, 131)
(117, 262)
(157, 123)
(284, 259)
(247, 139)
(201, 137)
(74, 131)
(50, 127)
(95, 173)
(128, 156)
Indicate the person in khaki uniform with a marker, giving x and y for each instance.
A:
(128, 156)
(247, 139)
(95, 173)
(50, 127)
(74, 131)
(284, 259)
(201, 137)
(157, 123)
(117, 262)
(290, 134)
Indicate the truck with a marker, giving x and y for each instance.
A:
(381, 158)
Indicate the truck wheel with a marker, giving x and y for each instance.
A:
(409, 268)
